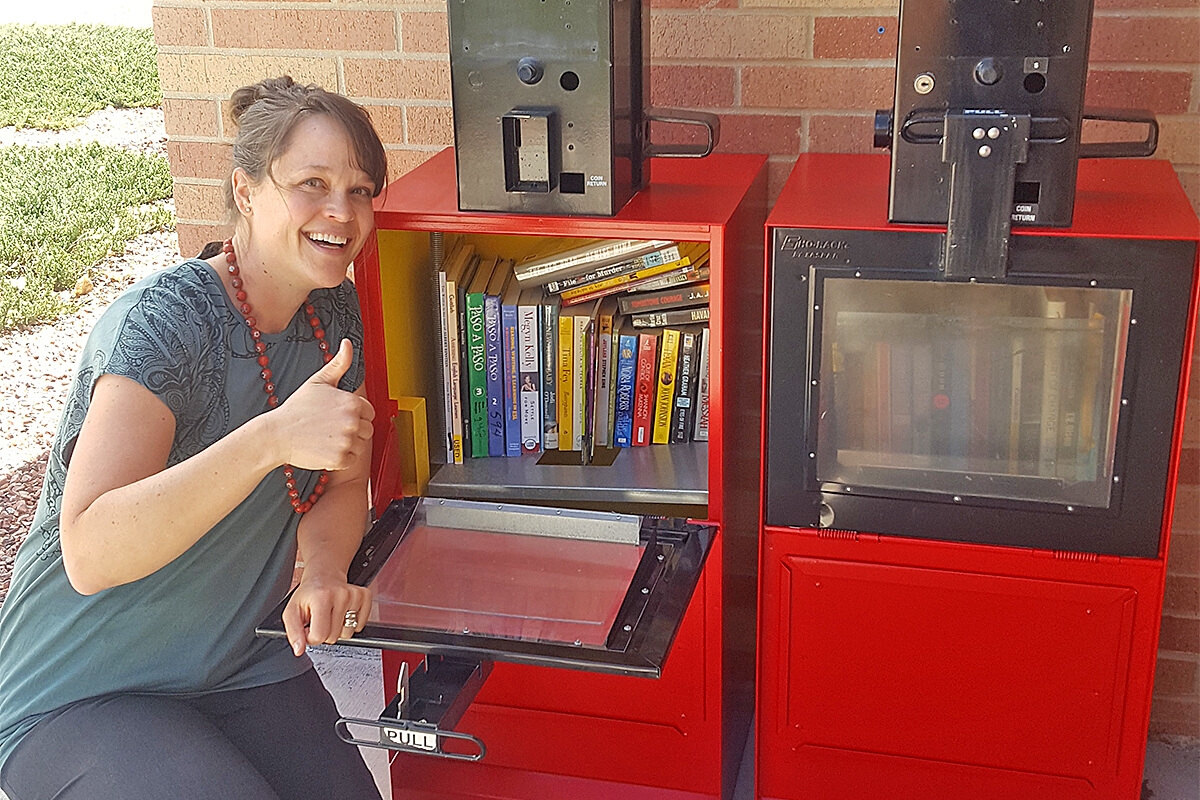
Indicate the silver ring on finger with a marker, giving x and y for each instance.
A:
(352, 619)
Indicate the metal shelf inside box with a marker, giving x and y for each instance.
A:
(658, 475)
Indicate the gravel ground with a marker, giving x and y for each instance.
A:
(36, 364)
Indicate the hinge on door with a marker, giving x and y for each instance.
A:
(1076, 555)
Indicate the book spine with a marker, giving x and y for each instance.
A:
(612, 384)
(574, 262)
(565, 360)
(685, 389)
(665, 386)
(529, 367)
(494, 353)
(960, 397)
(456, 372)
(443, 332)
(643, 398)
(1052, 345)
(682, 297)
(700, 434)
(549, 331)
(579, 370)
(512, 382)
(667, 280)
(1014, 405)
(477, 374)
(603, 433)
(678, 316)
(627, 350)
(664, 256)
(617, 283)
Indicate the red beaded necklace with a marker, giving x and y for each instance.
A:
(260, 347)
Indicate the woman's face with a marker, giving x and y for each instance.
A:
(313, 214)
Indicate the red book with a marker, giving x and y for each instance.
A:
(644, 386)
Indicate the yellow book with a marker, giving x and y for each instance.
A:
(617, 281)
(565, 381)
(666, 386)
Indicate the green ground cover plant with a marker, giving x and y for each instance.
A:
(62, 209)
(52, 75)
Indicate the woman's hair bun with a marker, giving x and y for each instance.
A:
(247, 96)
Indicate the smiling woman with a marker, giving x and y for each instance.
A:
(215, 425)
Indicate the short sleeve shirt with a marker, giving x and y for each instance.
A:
(187, 628)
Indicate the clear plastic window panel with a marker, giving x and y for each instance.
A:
(987, 390)
(531, 574)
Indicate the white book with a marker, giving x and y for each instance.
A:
(529, 368)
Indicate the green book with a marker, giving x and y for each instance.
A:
(477, 358)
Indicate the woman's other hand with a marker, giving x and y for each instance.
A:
(321, 426)
(320, 608)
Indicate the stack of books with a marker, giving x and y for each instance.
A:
(601, 344)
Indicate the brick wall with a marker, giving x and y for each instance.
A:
(786, 76)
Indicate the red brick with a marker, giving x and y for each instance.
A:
(1157, 90)
(193, 236)
(1184, 556)
(1173, 39)
(304, 29)
(846, 133)
(397, 79)
(1182, 594)
(1172, 717)
(728, 37)
(1189, 466)
(778, 171)
(817, 87)
(190, 117)
(1139, 5)
(692, 86)
(855, 37)
(179, 27)
(422, 32)
(1189, 177)
(1186, 518)
(1176, 675)
(200, 159)
(1179, 634)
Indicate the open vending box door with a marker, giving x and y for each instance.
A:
(468, 583)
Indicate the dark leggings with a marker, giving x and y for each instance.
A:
(273, 742)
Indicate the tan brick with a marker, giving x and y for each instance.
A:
(1169, 39)
(397, 79)
(179, 27)
(200, 201)
(1189, 177)
(423, 32)
(1179, 139)
(430, 125)
(706, 4)
(817, 87)
(773, 134)
(185, 117)
(388, 122)
(200, 159)
(1126, 5)
(1182, 594)
(1176, 675)
(1171, 717)
(1191, 427)
(855, 37)
(402, 161)
(220, 74)
(828, 133)
(728, 36)
(1189, 466)
(193, 236)
(1179, 634)
(1157, 90)
(692, 86)
(304, 29)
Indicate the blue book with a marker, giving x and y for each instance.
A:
(512, 376)
(626, 374)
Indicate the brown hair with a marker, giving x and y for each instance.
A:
(267, 113)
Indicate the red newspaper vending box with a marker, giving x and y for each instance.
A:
(607, 733)
(967, 491)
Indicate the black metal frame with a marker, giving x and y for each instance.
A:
(1158, 272)
(637, 644)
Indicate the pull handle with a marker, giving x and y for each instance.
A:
(679, 116)
(409, 737)
(1141, 149)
